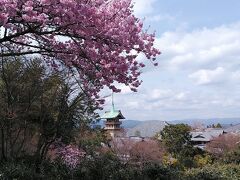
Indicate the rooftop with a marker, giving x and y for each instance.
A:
(234, 129)
(112, 114)
(206, 135)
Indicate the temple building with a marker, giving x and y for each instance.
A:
(113, 123)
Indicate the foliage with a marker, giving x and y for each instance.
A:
(38, 107)
(232, 156)
(177, 140)
(91, 140)
(14, 170)
(159, 172)
(169, 161)
(187, 156)
(203, 160)
(223, 144)
(98, 39)
(137, 152)
(70, 155)
(218, 125)
(107, 166)
(176, 137)
(214, 172)
(147, 152)
(104, 166)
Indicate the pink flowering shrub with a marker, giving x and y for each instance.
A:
(97, 39)
(70, 155)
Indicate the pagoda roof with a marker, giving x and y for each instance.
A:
(113, 114)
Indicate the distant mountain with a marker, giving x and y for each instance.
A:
(223, 121)
(147, 128)
(130, 123)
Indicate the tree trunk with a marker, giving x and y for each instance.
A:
(3, 144)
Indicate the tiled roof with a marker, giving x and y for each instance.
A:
(234, 129)
(113, 114)
(206, 135)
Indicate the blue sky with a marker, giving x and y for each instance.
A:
(199, 70)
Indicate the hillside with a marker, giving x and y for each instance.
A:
(223, 121)
(147, 128)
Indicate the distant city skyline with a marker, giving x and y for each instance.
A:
(198, 74)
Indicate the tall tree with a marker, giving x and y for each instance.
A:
(176, 137)
(223, 144)
(99, 39)
(38, 107)
(218, 125)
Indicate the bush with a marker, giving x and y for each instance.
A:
(159, 172)
(109, 167)
(23, 170)
(106, 166)
(232, 156)
(13, 170)
(214, 172)
(202, 160)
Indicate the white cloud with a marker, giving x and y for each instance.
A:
(181, 96)
(236, 76)
(206, 56)
(133, 105)
(157, 94)
(206, 76)
(167, 104)
(200, 48)
(143, 7)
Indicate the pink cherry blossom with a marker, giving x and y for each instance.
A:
(98, 40)
(70, 155)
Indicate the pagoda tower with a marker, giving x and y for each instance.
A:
(113, 123)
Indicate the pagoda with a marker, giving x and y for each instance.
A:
(113, 123)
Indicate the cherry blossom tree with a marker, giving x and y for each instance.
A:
(222, 144)
(98, 39)
(138, 152)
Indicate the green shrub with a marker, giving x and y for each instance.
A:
(214, 172)
(159, 172)
(23, 170)
(13, 170)
(232, 156)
